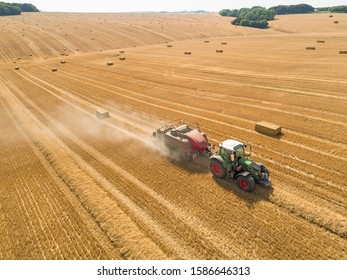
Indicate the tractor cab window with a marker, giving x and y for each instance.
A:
(223, 152)
(227, 154)
(240, 151)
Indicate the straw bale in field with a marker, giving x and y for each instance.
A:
(102, 114)
(268, 128)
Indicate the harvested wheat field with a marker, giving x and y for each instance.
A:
(76, 186)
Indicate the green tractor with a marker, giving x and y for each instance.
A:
(231, 161)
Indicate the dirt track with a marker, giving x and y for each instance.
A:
(75, 187)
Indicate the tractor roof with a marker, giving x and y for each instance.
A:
(230, 144)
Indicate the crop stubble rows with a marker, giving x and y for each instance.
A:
(180, 209)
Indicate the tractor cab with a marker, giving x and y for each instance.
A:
(232, 151)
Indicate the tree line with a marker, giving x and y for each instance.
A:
(292, 9)
(335, 9)
(258, 17)
(9, 9)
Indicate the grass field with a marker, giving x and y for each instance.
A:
(75, 187)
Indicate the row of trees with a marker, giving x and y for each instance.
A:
(256, 17)
(292, 9)
(8, 9)
(26, 7)
(335, 9)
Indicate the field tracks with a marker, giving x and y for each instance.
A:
(119, 91)
(253, 105)
(190, 221)
(74, 186)
(39, 215)
(312, 150)
(293, 170)
(233, 74)
(82, 185)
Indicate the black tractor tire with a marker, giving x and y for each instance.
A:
(217, 169)
(245, 183)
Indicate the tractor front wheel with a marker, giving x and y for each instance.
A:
(246, 183)
(217, 169)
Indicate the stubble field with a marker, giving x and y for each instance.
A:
(75, 187)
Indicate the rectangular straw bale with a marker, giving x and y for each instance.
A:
(102, 114)
(268, 128)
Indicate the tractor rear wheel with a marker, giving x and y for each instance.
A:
(217, 169)
(246, 183)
